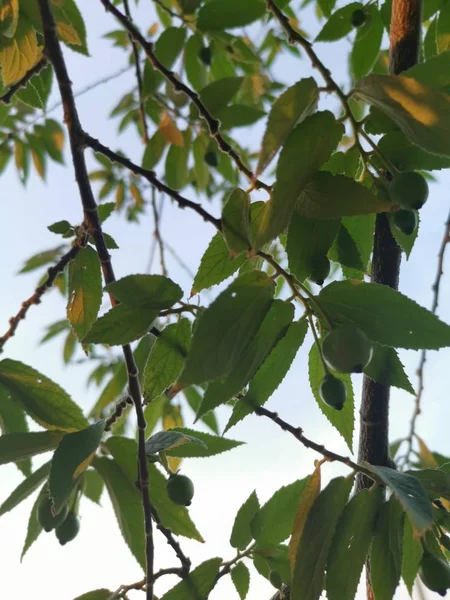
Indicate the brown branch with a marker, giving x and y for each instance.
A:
(93, 227)
(150, 176)
(213, 124)
(138, 77)
(423, 356)
(6, 98)
(35, 298)
(157, 233)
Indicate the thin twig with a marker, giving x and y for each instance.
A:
(138, 76)
(423, 356)
(6, 98)
(213, 124)
(93, 227)
(35, 298)
(157, 233)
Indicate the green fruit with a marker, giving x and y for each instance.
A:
(358, 18)
(320, 269)
(68, 530)
(211, 158)
(435, 573)
(347, 349)
(45, 515)
(405, 221)
(180, 489)
(205, 55)
(409, 189)
(333, 391)
(276, 580)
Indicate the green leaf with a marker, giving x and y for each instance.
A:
(351, 543)
(308, 239)
(386, 316)
(216, 15)
(25, 488)
(361, 229)
(345, 252)
(71, 458)
(273, 522)
(42, 258)
(386, 554)
(339, 24)
(435, 482)
(236, 222)
(326, 6)
(166, 358)
(343, 420)
(200, 583)
(85, 291)
(210, 446)
(344, 163)
(216, 95)
(443, 30)
(411, 556)
(146, 291)
(239, 115)
(406, 242)
(241, 534)
(166, 440)
(172, 515)
(216, 265)
(176, 168)
(121, 325)
(226, 327)
(43, 400)
(93, 485)
(34, 528)
(70, 24)
(37, 90)
(60, 227)
(289, 109)
(386, 368)
(409, 491)
(196, 71)
(308, 146)
(432, 72)
(421, 113)
(240, 576)
(127, 505)
(9, 18)
(13, 420)
(154, 150)
(273, 328)
(18, 446)
(194, 399)
(309, 570)
(366, 47)
(408, 157)
(167, 48)
(430, 41)
(101, 594)
(333, 196)
(271, 373)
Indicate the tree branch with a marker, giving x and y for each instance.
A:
(93, 227)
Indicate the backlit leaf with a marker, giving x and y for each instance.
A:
(241, 534)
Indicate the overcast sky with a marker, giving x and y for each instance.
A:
(270, 458)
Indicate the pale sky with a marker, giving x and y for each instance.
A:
(270, 458)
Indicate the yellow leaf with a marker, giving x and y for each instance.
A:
(9, 16)
(68, 34)
(172, 418)
(19, 55)
(427, 458)
(307, 499)
(153, 29)
(120, 195)
(170, 131)
(135, 192)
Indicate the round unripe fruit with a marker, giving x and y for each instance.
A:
(205, 55)
(406, 221)
(68, 530)
(358, 17)
(409, 189)
(435, 573)
(276, 580)
(180, 489)
(46, 518)
(211, 158)
(320, 269)
(333, 392)
(347, 349)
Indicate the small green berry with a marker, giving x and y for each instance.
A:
(320, 269)
(68, 530)
(211, 158)
(435, 573)
(276, 579)
(409, 189)
(347, 349)
(180, 489)
(358, 17)
(406, 221)
(333, 392)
